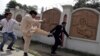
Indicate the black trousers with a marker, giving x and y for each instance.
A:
(56, 44)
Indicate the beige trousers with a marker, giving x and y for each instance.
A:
(28, 38)
(40, 31)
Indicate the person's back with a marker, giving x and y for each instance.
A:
(58, 33)
(17, 30)
(57, 30)
(24, 26)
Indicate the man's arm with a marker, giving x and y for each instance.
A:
(17, 26)
(16, 22)
(53, 29)
(34, 20)
(1, 22)
(65, 32)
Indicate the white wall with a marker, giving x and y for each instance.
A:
(67, 9)
(15, 12)
(82, 45)
(43, 39)
(50, 40)
(78, 44)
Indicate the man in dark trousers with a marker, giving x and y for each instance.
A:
(57, 32)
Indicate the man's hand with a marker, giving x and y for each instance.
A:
(50, 35)
(41, 20)
(44, 20)
(69, 37)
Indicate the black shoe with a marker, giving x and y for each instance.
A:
(50, 35)
(10, 49)
(25, 54)
(53, 53)
(1, 49)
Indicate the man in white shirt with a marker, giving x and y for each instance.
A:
(7, 31)
(17, 30)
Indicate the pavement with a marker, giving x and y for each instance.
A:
(16, 52)
(36, 49)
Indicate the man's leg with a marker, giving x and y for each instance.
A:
(40, 31)
(5, 38)
(13, 41)
(27, 40)
(54, 48)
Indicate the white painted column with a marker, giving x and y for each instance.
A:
(67, 9)
(98, 37)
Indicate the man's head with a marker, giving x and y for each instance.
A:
(64, 24)
(8, 15)
(65, 16)
(18, 18)
(33, 13)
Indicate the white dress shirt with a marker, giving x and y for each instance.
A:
(17, 30)
(8, 25)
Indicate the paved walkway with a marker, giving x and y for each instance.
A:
(36, 49)
(16, 52)
(39, 49)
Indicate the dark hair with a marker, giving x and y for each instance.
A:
(33, 12)
(63, 22)
(65, 15)
(7, 13)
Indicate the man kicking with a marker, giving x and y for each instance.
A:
(28, 28)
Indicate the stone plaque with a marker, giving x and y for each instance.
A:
(84, 24)
(52, 18)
